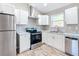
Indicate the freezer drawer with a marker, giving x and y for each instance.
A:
(8, 43)
(7, 22)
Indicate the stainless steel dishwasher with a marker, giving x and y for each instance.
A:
(71, 46)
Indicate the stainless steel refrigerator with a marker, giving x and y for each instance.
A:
(7, 35)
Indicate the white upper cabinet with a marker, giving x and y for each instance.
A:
(71, 15)
(21, 16)
(54, 40)
(43, 20)
(17, 14)
(24, 17)
(7, 8)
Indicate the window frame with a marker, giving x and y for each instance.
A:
(55, 15)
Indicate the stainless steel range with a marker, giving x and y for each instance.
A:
(35, 38)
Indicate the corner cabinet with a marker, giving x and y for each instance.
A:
(43, 20)
(54, 40)
(21, 16)
(71, 15)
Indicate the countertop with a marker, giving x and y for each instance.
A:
(65, 34)
(21, 33)
(72, 34)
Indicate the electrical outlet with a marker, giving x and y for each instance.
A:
(76, 28)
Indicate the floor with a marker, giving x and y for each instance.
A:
(43, 50)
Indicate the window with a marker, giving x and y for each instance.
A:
(57, 20)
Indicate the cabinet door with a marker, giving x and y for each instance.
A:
(55, 41)
(61, 43)
(50, 40)
(24, 17)
(21, 16)
(8, 43)
(17, 16)
(44, 37)
(24, 43)
(71, 15)
(43, 20)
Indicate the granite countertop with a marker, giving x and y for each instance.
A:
(65, 34)
(60, 33)
(72, 34)
(23, 33)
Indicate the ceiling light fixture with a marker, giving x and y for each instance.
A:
(45, 4)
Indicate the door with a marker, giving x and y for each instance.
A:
(24, 17)
(8, 43)
(71, 15)
(7, 22)
(44, 37)
(24, 42)
(17, 16)
(61, 42)
(75, 47)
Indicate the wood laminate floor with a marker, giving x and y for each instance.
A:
(43, 50)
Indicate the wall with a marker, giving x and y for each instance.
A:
(67, 28)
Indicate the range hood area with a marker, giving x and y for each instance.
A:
(32, 13)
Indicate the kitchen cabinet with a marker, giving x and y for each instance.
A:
(61, 42)
(24, 17)
(24, 42)
(21, 16)
(43, 20)
(71, 15)
(7, 8)
(44, 37)
(17, 16)
(54, 40)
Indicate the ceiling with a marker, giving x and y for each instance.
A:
(45, 8)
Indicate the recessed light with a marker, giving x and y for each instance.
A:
(45, 4)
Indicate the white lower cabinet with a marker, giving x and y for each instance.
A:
(44, 37)
(24, 42)
(61, 43)
(54, 40)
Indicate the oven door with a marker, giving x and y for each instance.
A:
(36, 37)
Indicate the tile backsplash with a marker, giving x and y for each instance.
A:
(72, 28)
(67, 28)
(21, 28)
